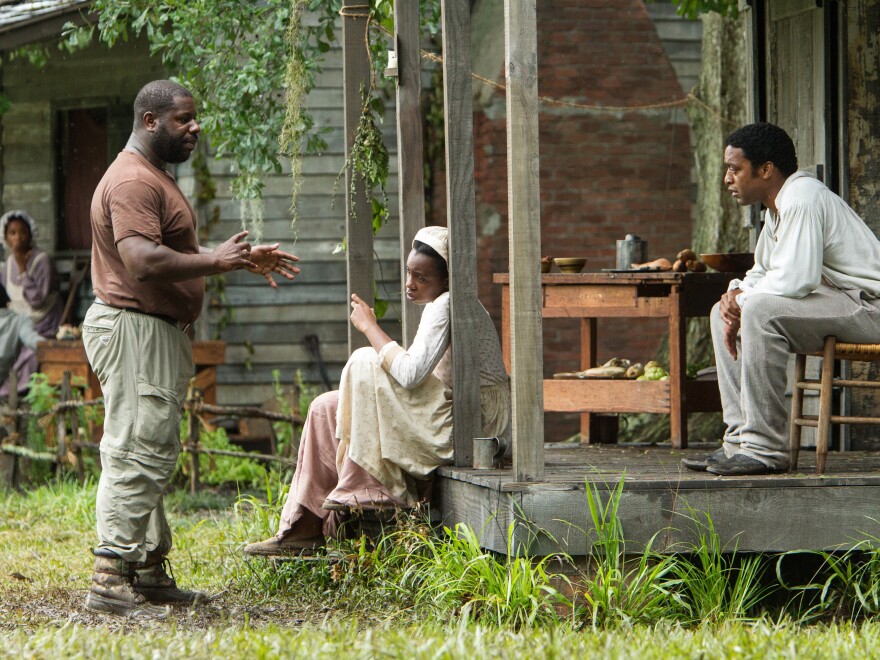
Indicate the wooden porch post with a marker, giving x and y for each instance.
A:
(358, 220)
(524, 206)
(461, 220)
(410, 170)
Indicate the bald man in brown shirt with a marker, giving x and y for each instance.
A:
(148, 273)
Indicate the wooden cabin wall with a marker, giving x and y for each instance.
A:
(268, 328)
(93, 77)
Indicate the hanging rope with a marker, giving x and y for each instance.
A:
(690, 98)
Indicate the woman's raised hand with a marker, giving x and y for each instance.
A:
(363, 317)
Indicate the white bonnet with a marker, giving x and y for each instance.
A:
(17, 214)
(435, 237)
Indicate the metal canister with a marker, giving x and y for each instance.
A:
(631, 250)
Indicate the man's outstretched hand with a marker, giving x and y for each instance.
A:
(268, 259)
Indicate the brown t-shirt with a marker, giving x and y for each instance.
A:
(134, 198)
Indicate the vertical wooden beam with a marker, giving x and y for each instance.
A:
(410, 170)
(461, 220)
(358, 211)
(524, 210)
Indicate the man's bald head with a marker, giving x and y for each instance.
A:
(157, 97)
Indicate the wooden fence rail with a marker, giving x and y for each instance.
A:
(64, 414)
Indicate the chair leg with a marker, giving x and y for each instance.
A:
(825, 403)
(797, 410)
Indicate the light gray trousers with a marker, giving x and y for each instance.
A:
(753, 386)
(144, 365)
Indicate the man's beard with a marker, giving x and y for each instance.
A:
(170, 150)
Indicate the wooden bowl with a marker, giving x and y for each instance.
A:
(729, 262)
(570, 264)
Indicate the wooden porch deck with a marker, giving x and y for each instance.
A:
(795, 511)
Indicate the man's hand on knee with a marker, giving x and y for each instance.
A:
(729, 308)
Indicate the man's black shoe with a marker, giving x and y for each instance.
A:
(700, 463)
(739, 464)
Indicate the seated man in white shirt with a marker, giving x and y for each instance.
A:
(816, 273)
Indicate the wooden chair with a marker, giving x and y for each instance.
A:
(832, 351)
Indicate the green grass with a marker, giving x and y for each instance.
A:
(413, 594)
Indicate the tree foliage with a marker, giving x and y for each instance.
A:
(693, 8)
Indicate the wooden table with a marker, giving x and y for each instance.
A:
(57, 356)
(591, 296)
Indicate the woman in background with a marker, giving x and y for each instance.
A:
(31, 282)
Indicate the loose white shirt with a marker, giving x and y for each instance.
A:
(815, 235)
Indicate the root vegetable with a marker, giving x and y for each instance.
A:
(603, 372)
(658, 264)
(686, 255)
(679, 266)
(635, 370)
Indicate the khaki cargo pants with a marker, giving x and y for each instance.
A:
(144, 365)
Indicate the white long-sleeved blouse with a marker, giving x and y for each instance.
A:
(430, 351)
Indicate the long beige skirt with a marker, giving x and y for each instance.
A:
(375, 443)
(398, 435)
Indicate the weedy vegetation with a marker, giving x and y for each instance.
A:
(418, 591)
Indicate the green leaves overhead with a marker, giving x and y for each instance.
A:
(232, 55)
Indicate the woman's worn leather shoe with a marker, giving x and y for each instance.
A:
(285, 547)
(740, 465)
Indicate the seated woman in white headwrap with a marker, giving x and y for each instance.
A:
(31, 282)
(372, 443)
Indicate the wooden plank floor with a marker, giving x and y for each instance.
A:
(664, 501)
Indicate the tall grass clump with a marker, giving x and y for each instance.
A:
(451, 574)
(620, 590)
(846, 585)
(719, 585)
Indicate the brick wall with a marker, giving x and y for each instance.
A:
(603, 175)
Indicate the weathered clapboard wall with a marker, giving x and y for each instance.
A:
(90, 78)
(269, 326)
(681, 39)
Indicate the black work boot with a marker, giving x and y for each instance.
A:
(157, 586)
(113, 592)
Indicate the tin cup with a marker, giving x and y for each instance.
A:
(486, 453)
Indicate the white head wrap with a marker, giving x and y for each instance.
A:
(18, 214)
(437, 238)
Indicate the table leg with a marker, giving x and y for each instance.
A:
(677, 370)
(505, 326)
(588, 359)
